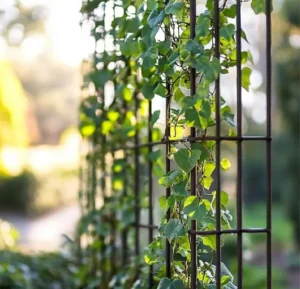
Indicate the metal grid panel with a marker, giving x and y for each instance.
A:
(218, 139)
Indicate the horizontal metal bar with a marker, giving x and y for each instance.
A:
(194, 139)
(145, 226)
(232, 231)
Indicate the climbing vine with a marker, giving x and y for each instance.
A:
(147, 50)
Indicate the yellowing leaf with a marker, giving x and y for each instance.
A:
(209, 167)
(210, 241)
(206, 182)
(127, 94)
(87, 130)
(189, 200)
(112, 115)
(106, 127)
(225, 164)
(176, 132)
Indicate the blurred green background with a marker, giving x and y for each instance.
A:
(41, 49)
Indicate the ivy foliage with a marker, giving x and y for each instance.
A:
(144, 49)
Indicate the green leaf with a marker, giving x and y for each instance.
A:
(161, 90)
(174, 8)
(210, 241)
(246, 73)
(163, 46)
(203, 90)
(180, 190)
(150, 259)
(225, 279)
(141, 9)
(259, 6)
(163, 203)
(193, 118)
(210, 5)
(150, 58)
(211, 69)
(227, 31)
(225, 272)
(166, 283)
(174, 229)
(156, 17)
(205, 153)
(230, 285)
(225, 164)
(224, 198)
(154, 118)
(228, 115)
(151, 5)
(193, 46)
(177, 284)
(212, 73)
(193, 208)
(155, 156)
(187, 159)
(148, 91)
(205, 113)
(169, 179)
(178, 94)
(209, 167)
(190, 204)
(99, 78)
(133, 25)
(230, 12)
(173, 57)
(202, 29)
(184, 54)
(171, 202)
(90, 6)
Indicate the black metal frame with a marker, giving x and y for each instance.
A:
(218, 138)
(239, 139)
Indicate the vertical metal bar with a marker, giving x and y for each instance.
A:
(218, 147)
(113, 197)
(239, 197)
(150, 189)
(137, 181)
(168, 168)
(193, 237)
(94, 173)
(168, 162)
(105, 274)
(125, 233)
(103, 189)
(268, 143)
(113, 222)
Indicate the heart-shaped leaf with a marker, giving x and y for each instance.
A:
(187, 159)
(173, 229)
(154, 118)
(166, 283)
